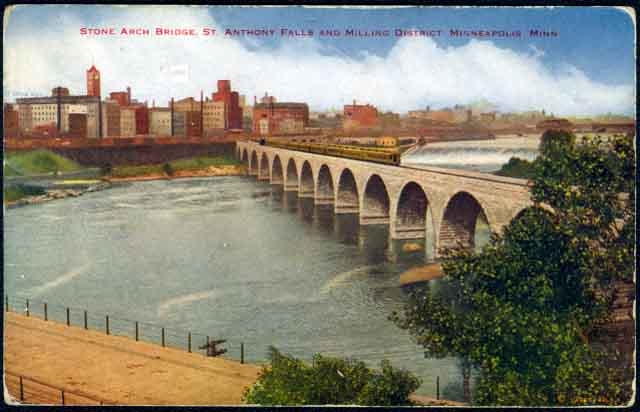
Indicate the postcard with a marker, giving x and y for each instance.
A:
(297, 205)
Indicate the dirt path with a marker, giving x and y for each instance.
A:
(119, 369)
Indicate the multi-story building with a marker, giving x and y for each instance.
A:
(110, 118)
(10, 121)
(186, 124)
(232, 100)
(77, 125)
(142, 119)
(160, 121)
(93, 82)
(214, 116)
(280, 118)
(34, 112)
(356, 116)
(127, 121)
(188, 104)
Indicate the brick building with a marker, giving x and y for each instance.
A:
(359, 116)
(127, 121)
(160, 121)
(214, 116)
(280, 118)
(93, 82)
(186, 124)
(123, 98)
(10, 121)
(110, 118)
(232, 100)
(142, 119)
(77, 125)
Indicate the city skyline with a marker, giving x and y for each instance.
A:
(389, 72)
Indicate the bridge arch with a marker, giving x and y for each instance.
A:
(325, 191)
(306, 180)
(348, 194)
(292, 175)
(276, 171)
(253, 166)
(375, 202)
(459, 221)
(412, 212)
(264, 167)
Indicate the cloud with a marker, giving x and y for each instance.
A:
(415, 73)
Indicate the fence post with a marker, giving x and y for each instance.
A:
(62, 393)
(46, 316)
(189, 342)
(21, 390)
(68, 321)
(86, 324)
(27, 307)
(136, 331)
(437, 387)
(6, 302)
(241, 352)
(106, 325)
(207, 349)
(163, 337)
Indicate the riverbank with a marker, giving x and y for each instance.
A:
(210, 171)
(421, 274)
(53, 194)
(118, 369)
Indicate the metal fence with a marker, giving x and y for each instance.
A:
(171, 337)
(33, 391)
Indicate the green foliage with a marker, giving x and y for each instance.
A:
(518, 168)
(523, 310)
(167, 169)
(203, 162)
(329, 381)
(37, 162)
(16, 192)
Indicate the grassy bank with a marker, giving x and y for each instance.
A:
(17, 192)
(196, 163)
(37, 162)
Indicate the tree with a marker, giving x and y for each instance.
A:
(334, 381)
(522, 312)
(168, 169)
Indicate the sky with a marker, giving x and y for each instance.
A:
(587, 69)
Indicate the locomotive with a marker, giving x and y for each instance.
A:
(390, 156)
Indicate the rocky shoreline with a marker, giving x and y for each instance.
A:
(53, 194)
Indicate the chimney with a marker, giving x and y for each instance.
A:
(255, 100)
(128, 95)
(172, 117)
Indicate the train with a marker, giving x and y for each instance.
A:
(390, 156)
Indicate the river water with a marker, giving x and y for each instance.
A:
(228, 257)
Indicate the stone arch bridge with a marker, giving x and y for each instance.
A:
(407, 199)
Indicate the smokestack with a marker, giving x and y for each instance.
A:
(100, 117)
(172, 117)
(354, 103)
(128, 95)
(255, 100)
(59, 114)
(201, 114)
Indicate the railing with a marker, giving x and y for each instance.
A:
(176, 338)
(26, 389)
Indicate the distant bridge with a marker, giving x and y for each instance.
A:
(407, 199)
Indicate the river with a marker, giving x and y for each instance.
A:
(228, 257)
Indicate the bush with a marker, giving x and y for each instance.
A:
(518, 168)
(329, 381)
